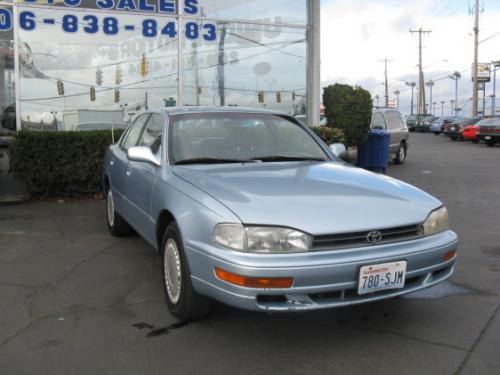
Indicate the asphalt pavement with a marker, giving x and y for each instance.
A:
(75, 300)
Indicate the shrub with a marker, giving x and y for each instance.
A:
(349, 109)
(60, 163)
(329, 135)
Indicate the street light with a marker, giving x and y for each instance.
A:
(397, 92)
(430, 84)
(442, 108)
(412, 85)
(452, 109)
(434, 111)
(455, 76)
(377, 98)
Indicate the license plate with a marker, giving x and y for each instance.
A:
(487, 137)
(453, 129)
(382, 277)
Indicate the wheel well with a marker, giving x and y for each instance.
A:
(162, 223)
(106, 183)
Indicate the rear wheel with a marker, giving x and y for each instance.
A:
(182, 300)
(401, 154)
(117, 226)
(453, 138)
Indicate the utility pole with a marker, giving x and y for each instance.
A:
(421, 106)
(496, 65)
(442, 108)
(221, 70)
(476, 58)
(386, 84)
(434, 111)
(430, 84)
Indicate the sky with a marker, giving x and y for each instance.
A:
(357, 34)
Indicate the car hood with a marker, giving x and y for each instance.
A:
(318, 197)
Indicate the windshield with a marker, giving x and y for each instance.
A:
(239, 137)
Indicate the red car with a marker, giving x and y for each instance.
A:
(470, 133)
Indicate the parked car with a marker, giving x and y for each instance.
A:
(489, 131)
(251, 208)
(470, 133)
(412, 120)
(455, 129)
(423, 125)
(439, 124)
(392, 120)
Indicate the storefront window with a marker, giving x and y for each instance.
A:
(248, 65)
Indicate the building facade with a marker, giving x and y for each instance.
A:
(61, 57)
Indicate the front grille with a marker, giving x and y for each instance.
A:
(358, 239)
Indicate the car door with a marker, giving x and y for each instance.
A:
(140, 178)
(396, 128)
(118, 162)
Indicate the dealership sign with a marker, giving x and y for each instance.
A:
(483, 72)
(91, 24)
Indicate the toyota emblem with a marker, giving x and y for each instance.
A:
(374, 237)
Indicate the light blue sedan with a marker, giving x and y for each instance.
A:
(251, 208)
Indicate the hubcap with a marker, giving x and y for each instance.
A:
(111, 209)
(402, 153)
(172, 271)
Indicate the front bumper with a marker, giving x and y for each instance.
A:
(323, 279)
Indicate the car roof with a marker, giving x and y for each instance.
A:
(213, 109)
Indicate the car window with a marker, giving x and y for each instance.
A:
(151, 135)
(133, 134)
(378, 121)
(394, 120)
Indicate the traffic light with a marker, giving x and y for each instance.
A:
(98, 77)
(261, 96)
(117, 96)
(278, 97)
(92, 94)
(118, 75)
(60, 87)
(144, 66)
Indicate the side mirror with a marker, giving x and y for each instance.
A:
(142, 154)
(338, 149)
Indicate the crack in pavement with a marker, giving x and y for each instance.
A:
(402, 335)
(39, 289)
(476, 342)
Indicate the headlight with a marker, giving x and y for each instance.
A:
(427, 123)
(436, 222)
(264, 240)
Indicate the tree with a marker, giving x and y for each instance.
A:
(350, 110)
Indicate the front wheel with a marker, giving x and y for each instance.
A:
(182, 300)
(401, 154)
(117, 225)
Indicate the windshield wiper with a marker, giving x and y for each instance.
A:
(277, 158)
(212, 161)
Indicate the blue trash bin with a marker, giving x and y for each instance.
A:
(374, 154)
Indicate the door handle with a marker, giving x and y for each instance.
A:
(129, 172)
(112, 162)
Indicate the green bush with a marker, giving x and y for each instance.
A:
(329, 135)
(349, 109)
(60, 163)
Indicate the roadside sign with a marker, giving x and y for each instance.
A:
(483, 72)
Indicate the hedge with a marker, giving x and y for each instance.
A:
(69, 164)
(60, 163)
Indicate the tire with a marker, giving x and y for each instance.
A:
(453, 138)
(436, 133)
(490, 143)
(401, 154)
(475, 141)
(182, 300)
(117, 225)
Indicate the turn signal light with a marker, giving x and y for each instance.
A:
(449, 255)
(254, 282)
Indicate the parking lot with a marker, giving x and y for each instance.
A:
(77, 301)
